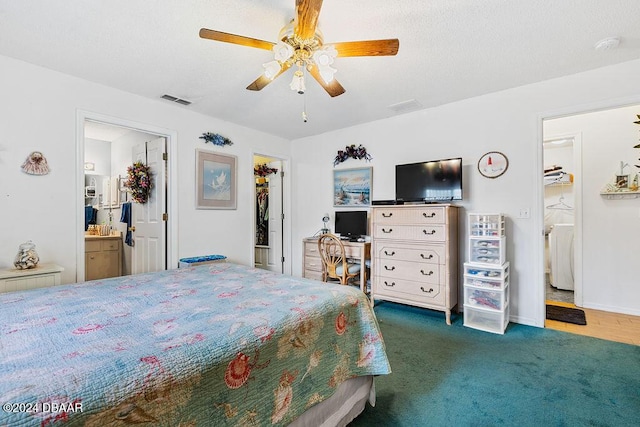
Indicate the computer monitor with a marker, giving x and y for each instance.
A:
(352, 224)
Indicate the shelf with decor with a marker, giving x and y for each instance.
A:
(617, 195)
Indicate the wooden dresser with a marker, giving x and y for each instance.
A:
(415, 255)
(103, 257)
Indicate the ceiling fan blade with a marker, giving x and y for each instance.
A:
(307, 12)
(262, 81)
(235, 39)
(387, 47)
(333, 88)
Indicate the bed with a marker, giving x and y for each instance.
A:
(217, 344)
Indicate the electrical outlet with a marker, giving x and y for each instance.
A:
(524, 213)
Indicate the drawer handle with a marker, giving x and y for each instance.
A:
(429, 233)
(393, 267)
(426, 274)
(431, 215)
(427, 292)
(390, 254)
(387, 215)
(390, 285)
(387, 231)
(426, 257)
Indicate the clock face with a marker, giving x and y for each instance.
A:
(493, 164)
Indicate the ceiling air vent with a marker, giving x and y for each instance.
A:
(405, 106)
(175, 99)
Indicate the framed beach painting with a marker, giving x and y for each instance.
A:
(352, 187)
(216, 180)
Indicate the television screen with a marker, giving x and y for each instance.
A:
(437, 180)
(351, 223)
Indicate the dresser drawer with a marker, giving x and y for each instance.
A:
(101, 245)
(426, 233)
(406, 289)
(418, 215)
(431, 254)
(313, 274)
(92, 246)
(422, 272)
(311, 249)
(110, 245)
(313, 264)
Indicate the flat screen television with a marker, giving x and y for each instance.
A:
(352, 224)
(432, 181)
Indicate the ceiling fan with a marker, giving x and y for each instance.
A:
(301, 45)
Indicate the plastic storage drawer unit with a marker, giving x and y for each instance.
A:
(486, 320)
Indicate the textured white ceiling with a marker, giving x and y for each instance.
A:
(449, 50)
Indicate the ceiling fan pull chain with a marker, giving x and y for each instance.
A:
(304, 108)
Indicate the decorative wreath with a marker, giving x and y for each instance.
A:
(351, 151)
(263, 170)
(139, 182)
(216, 139)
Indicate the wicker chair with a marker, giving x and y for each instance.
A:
(334, 261)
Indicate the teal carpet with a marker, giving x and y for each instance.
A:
(457, 376)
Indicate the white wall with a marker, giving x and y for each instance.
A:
(507, 121)
(611, 232)
(39, 110)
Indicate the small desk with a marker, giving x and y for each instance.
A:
(312, 263)
(42, 276)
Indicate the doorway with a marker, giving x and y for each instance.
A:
(111, 145)
(604, 206)
(270, 223)
(562, 172)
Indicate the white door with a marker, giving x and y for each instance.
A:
(147, 220)
(274, 259)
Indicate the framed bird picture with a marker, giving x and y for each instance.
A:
(216, 180)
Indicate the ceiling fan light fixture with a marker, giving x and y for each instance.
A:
(271, 69)
(327, 72)
(282, 51)
(325, 56)
(297, 83)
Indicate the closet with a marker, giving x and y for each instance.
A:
(559, 219)
(268, 223)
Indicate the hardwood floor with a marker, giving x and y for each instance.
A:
(622, 328)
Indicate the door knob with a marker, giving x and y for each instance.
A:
(132, 228)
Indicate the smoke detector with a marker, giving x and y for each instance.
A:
(609, 43)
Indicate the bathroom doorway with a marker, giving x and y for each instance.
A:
(106, 147)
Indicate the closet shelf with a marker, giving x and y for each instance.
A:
(559, 179)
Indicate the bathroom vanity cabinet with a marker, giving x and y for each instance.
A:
(103, 257)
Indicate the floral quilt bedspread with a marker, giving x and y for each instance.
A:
(218, 344)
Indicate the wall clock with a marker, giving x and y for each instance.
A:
(493, 164)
